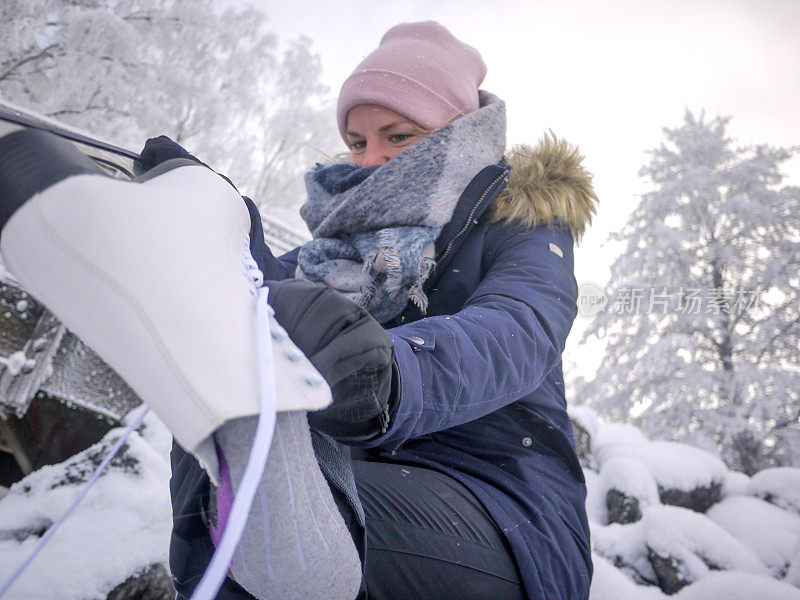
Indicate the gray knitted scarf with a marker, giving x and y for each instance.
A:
(374, 228)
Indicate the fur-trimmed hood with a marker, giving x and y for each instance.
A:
(547, 182)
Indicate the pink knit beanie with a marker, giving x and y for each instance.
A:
(419, 70)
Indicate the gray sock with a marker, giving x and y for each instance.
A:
(295, 544)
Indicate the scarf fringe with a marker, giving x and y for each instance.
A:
(390, 254)
(415, 294)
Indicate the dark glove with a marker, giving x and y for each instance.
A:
(351, 351)
(161, 149)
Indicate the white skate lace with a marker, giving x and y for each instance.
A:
(251, 270)
(218, 567)
(257, 461)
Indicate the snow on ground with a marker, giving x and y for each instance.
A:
(122, 525)
(780, 486)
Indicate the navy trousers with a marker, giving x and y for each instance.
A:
(428, 537)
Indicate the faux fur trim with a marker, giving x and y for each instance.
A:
(547, 182)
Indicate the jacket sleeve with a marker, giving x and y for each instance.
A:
(499, 347)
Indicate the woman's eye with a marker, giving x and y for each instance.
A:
(399, 137)
(359, 145)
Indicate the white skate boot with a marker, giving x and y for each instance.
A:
(156, 277)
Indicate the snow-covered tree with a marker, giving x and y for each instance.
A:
(703, 320)
(215, 81)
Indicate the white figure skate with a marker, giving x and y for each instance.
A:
(156, 277)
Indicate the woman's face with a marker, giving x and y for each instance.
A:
(376, 134)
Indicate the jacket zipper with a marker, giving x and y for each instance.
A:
(467, 225)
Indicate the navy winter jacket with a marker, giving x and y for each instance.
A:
(482, 390)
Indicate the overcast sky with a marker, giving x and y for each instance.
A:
(607, 75)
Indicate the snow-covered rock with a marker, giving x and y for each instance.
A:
(151, 583)
(629, 487)
(120, 528)
(673, 547)
(686, 476)
(779, 486)
(609, 583)
(624, 546)
(584, 427)
(684, 546)
(612, 439)
(772, 533)
(731, 585)
(595, 499)
(793, 574)
(735, 484)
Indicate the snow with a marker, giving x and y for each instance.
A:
(793, 575)
(677, 533)
(630, 476)
(697, 542)
(738, 586)
(610, 435)
(122, 525)
(586, 418)
(16, 362)
(595, 498)
(772, 533)
(735, 484)
(609, 583)
(624, 545)
(673, 465)
(778, 485)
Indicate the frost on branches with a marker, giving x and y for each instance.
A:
(215, 81)
(702, 322)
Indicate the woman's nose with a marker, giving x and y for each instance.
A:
(375, 155)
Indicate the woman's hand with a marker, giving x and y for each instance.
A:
(161, 149)
(351, 351)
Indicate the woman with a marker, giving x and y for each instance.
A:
(463, 480)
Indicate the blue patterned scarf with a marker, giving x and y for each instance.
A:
(374, 228)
